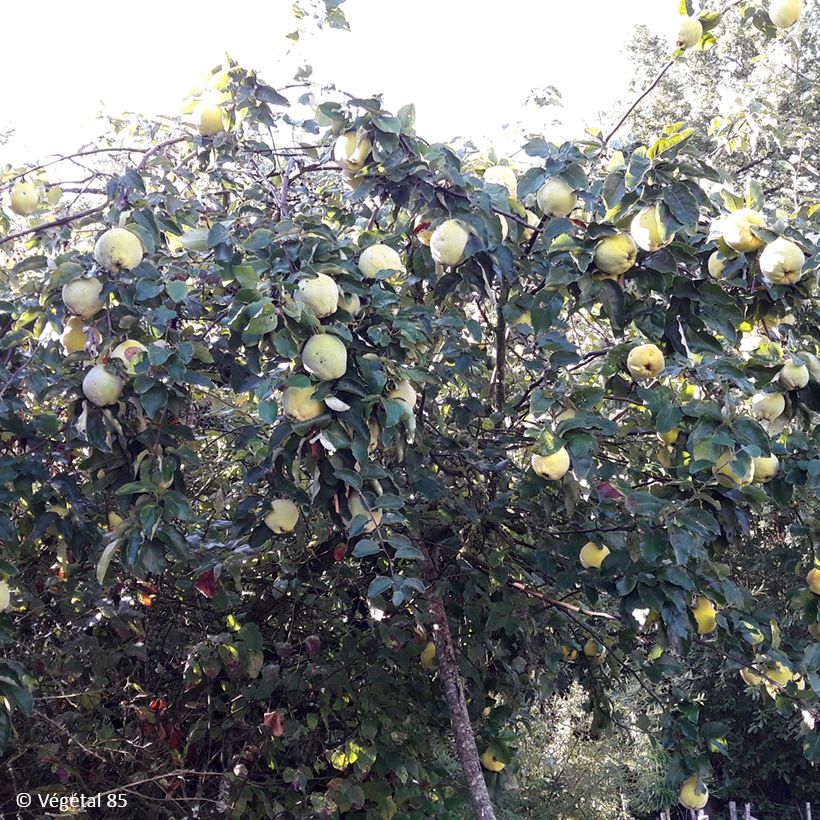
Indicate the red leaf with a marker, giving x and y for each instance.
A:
(206, 583)
(606, 490)
(339, 553)
(273, 722)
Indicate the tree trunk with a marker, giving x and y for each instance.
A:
(454, 693)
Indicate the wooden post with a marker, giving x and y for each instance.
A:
(808, 811)
(747, 811)
(732, 810)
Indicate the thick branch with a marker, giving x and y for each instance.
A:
(454, 693)
(283, 202)
(501, 347)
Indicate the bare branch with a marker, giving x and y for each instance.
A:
(283, 202)
(647, 91)
(53, 224)
(157, 148)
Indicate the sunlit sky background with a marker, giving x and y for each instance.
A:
(468, 65)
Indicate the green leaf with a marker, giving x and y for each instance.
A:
(755, 198)
(378, 585)
(666, 144)
(811, 657)
(539, 147)
(269, 95)
(251, 636)
(18, 695)
(613, 189)
(176, 290)
(137, 487)
(147, 289)
(149, 517)
(612, 299)
(14, 338)
(638, 166)
(219, 233)
(29, 264)
(389, 124)
(154, 400)
(750, 432)
(268, 410)
(732, 201)
(682, 204)
(246, 275)
(349, 477)
(259, 239)
(364, 548)
(388, 502)
(177, 505)
(159, 354)
(407, 117)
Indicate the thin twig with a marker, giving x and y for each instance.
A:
(53, 224)
(69, 157)
(640, 99)
(157, 148)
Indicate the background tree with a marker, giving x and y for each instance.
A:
(757, 118)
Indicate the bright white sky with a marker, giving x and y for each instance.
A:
(468, 65)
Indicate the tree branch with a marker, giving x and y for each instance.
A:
(157, 148)
(69, 157)
(501, 346)
(454, 693)
(53, 224)
(655, 82)
(532, 592)
(651, 87)
(283, 202)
